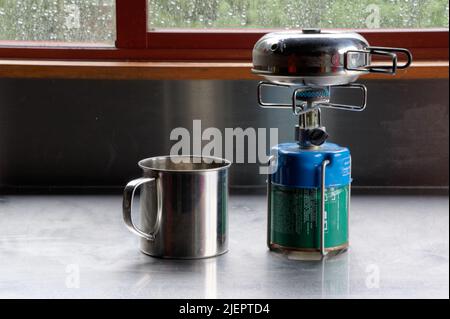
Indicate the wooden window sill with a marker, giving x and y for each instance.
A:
(177, 70)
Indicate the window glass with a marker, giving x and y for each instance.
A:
(371, 14)
(58, 20)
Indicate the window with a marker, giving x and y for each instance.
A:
(288, 14)
(213, 30)
(91, 21)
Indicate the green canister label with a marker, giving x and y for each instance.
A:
(295, 216)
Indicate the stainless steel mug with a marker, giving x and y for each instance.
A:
(183, 206)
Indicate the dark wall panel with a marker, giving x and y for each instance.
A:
(92, 133)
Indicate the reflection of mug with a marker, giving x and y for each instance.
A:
(183, 206)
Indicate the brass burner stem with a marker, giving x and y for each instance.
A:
(310, 119)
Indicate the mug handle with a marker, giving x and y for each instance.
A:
(128, 196)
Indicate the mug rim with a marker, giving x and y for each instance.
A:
(225, 163)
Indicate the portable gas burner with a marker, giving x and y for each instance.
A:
(309, 189)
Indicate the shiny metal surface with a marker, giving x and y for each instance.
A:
(308, 58)
(318, 58)
(78, 247)
(183, 206)
(128, 199)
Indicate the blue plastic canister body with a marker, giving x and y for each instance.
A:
(300, 168)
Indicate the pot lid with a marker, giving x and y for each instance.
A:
(311, 57)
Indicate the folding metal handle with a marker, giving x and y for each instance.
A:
(269, 203)
(263, 104)
(301, 106)
(348, 107)
(391, 53)
(323, 249)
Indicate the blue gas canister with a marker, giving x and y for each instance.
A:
(309, 198)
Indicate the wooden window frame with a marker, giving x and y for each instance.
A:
(135, 43)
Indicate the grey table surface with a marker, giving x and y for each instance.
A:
(78, 247)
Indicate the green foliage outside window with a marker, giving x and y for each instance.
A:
(298, 13)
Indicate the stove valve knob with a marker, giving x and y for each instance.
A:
(317, 136)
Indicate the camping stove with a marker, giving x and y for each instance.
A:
(309, 184)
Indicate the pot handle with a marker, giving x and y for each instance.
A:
(380, 51)
(128, 196)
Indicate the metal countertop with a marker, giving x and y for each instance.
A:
(78, 247)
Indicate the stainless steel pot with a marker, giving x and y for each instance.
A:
(316, 58)
(183, 206)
